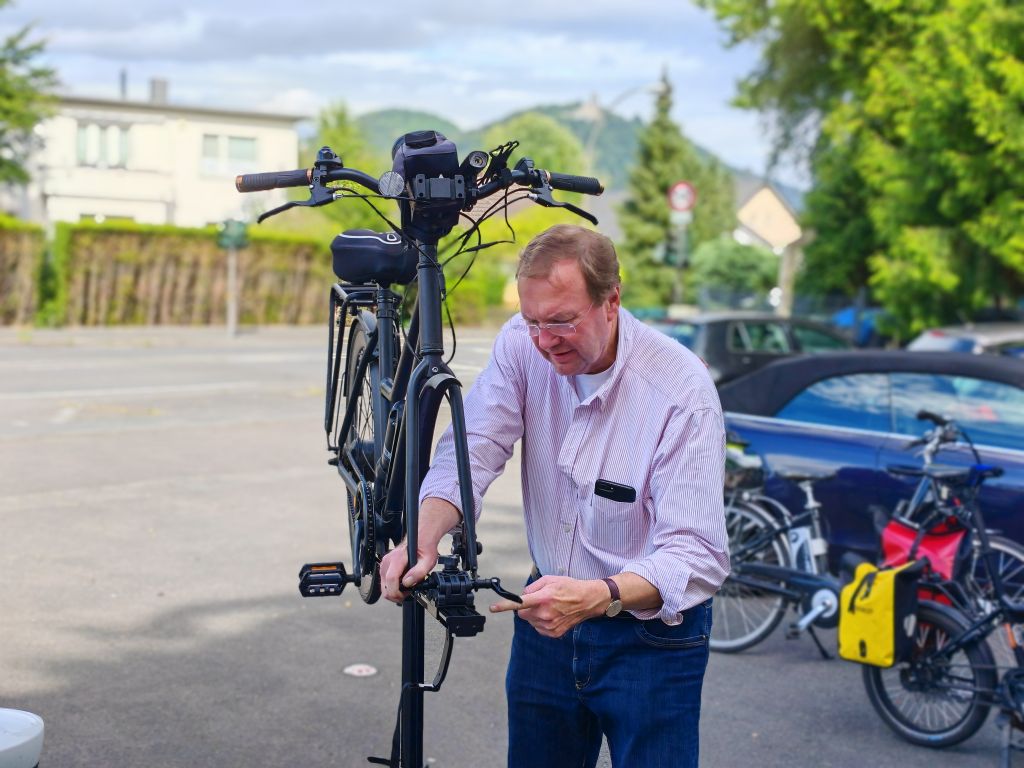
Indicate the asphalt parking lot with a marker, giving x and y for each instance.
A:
(159, 489)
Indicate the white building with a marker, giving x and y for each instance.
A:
(152, 162)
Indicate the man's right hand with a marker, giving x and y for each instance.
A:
(394, 564)
(436, 518)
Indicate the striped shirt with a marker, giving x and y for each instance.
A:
(654, 425)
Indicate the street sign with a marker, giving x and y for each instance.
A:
(680, 218)
(232, 234)
(682, 196)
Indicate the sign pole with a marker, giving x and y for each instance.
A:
(232, 235)
(682, 198)
(232, 292)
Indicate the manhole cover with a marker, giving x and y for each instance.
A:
(360, 670)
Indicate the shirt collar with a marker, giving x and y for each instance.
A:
(626, 330)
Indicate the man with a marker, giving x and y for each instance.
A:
(623, 452)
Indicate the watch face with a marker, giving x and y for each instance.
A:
(613, 609)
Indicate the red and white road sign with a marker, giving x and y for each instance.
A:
(682, 196)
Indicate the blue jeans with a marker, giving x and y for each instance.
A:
(636, 682)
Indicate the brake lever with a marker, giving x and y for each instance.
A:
(495, 584)
(319, 192)
(318, 195)
(274, 211)
(543, 197)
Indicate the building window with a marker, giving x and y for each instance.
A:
(103, 146)
(228, 155)
(241, 150)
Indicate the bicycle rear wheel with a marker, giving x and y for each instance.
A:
(1008, 564)
(743, 616)
(935, 701)
(361, 444)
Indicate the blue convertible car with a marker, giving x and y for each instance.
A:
(855, 413)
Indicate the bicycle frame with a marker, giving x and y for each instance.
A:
(433, 191)
(1005, 612)
(397, 479)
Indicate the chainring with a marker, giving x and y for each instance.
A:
(365, 557)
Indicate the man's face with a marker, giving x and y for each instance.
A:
(561, 297)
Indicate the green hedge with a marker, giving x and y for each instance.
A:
(22, 247)
(123, 273)
(126, 273)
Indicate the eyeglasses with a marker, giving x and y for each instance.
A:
(557, 329)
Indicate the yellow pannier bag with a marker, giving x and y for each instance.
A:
(878, 613)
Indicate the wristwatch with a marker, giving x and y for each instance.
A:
(615, 606)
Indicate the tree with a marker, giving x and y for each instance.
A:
(836, 260)
(551, 146)
(336, 129)
(924, 102)
(25, 100)
(664, 157)
(726, 265)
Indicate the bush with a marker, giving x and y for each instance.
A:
(21, 256)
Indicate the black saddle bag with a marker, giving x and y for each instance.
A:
(365, 256)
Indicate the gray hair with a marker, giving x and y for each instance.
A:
(594, 252)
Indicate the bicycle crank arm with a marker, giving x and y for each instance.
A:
(323, 579)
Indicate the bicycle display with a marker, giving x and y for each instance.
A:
(385, 382)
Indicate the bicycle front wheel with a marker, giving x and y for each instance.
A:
(935, 699)
(743, 616)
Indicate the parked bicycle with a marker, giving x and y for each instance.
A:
(943, 692)
(929, 525)
(778, 560)
(393, 379)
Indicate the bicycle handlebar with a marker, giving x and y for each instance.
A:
(934, 418)
(567, 182)
(259, 182)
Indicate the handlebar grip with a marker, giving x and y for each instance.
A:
(569, 183)
(932, 417)
(258, 182)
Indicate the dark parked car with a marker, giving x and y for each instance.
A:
(734, 343)
(976, 338)
(855, 413)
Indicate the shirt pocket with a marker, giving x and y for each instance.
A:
(612, 526)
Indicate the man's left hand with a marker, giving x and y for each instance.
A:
(555, 604)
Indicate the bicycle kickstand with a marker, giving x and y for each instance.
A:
(814, 636)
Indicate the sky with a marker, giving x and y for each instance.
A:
(470, 62)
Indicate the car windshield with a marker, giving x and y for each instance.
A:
(813, 340)
(684, 333)
(936, 341)
(992, 412)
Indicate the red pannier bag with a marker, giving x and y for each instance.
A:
(945, 546)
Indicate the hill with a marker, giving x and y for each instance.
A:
(381, 128)
(614, 139)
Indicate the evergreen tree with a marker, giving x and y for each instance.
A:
(665, 156)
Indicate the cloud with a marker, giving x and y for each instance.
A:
(471, 62)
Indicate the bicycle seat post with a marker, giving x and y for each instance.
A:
(810, 503)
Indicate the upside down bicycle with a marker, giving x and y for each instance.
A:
(395, 378)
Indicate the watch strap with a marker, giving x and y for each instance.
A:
(613, 588)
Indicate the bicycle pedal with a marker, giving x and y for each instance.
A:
(323, 579)
(792, 632)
